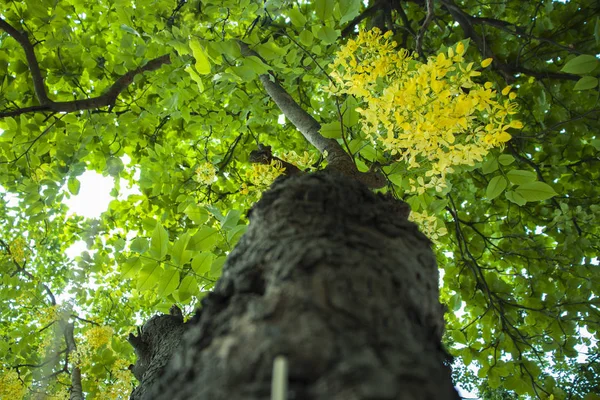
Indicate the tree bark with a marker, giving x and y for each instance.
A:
(334, 278)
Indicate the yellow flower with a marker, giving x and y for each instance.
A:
(10, 386)
(206, 173)
(485, 63)
(419, 111)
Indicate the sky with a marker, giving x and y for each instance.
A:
(92, 200)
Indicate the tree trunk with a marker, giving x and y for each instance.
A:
(334, 278)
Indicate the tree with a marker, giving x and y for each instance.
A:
(175, 98)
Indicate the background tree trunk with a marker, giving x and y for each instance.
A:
(334, 278)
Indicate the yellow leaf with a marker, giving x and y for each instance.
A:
(202, 62)
(486, 62)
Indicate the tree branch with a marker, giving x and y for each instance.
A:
(518, 31)
(336, 157)
(23, 40)
(76, 386)
(359, 18)
(107, 99)
(507, 71)
(423, 29)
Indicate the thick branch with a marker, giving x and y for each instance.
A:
(76, 386)
(23, 40)
(107, 99)
(336, 157)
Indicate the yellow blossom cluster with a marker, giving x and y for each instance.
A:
(304, 161)
(49, 315)
(98, 336)
(206, 173)
(94, 338)
(262, 175)
(10, 386)
(120, 387)
(17, 250)
(430, 225)
(431, 115)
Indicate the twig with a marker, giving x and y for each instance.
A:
(423, 29)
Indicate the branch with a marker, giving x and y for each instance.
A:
(23, 40)
(336, 157)
(518, 31)
(507, 71)
(107, 99)
(464, 20)
(76, 386)
(421, 34)
(358, 19)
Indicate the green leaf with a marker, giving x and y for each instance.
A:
(536, 191)
(327, 34)
(202, 262)
(202, 62)
(348, 10)
(495, 187)
(506, 159)
(168, 282)
(519, 176)
(490, 166)
(197, 214)
(586, 83)
(270, 50)
(73, 185)
(331, 130)
(350, 115)
(244, 72)
(139, 245)
(455, 302)
(297, 18)
(306, 38)
(324, 9)
(204, 239)
(217, 266)
(114, 166)
(149, 275)
(580, 65)
(597, 31)
(131, 267)
(187, 288)
(159, 242)
(231, 219)
(515, 197)
(234, 234)
(256, 65)
(196, 78)
(179, 255)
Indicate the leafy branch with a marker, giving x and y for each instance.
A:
(46, 104)
(507, 71)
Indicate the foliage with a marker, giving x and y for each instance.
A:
(159, 97)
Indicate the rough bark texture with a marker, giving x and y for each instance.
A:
(155, 344)
(334, 278)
